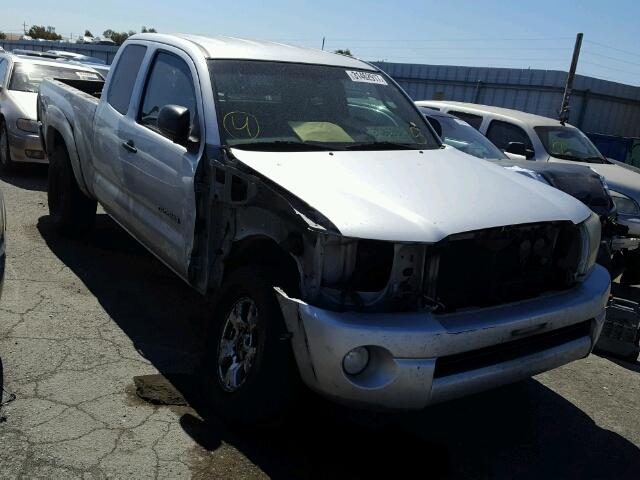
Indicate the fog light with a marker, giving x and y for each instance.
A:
(39, 154)
(355, 361)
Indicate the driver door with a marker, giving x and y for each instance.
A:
(158, 173)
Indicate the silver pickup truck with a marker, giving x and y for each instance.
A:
(343, 246)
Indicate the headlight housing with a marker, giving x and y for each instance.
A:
(590, 231)
(625, 205)
(27, 125)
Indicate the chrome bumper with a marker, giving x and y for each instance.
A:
(405, 347)
(19, 142)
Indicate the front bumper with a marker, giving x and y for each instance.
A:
(21, 142)
(408, 350)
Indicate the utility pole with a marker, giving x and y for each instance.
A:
(564, 109)
(322, 43)
(24, 27)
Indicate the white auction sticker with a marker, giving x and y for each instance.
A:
(366, 77)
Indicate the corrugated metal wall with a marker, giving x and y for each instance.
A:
(597, 106)
(104, 52)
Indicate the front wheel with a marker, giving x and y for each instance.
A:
(73, 213)
(248, 372)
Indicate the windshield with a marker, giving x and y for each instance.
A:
(569, 144)
(27, 77)
(459, 134)
(288, 106)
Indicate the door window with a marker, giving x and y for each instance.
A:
(124, 77)
(169, 83)
(503, 133)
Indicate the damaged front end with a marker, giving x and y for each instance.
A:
(468, 270)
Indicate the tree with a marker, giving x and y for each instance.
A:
(87, 33)
(148, 30)
(346, 52)
(118, 37)
(3, 36)
(39, 31)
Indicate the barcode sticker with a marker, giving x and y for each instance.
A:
(366, 77)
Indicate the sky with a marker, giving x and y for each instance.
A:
(492, 33)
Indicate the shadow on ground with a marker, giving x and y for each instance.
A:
(521, 431)
(28, 176)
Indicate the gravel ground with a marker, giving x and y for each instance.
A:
(83, 323)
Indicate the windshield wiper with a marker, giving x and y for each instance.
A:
(382, 146)
(285, 146)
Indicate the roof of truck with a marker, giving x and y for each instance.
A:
(223, 47)
(475, 108)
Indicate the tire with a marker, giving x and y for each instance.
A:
(261, 395)
(72, 212)
(631, 275)
(6, 164)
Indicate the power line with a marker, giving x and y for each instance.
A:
(613, 48)
(599, 65)
(613, 58)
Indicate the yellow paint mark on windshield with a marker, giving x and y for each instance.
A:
(320, 132)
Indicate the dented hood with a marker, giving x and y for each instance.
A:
(411, 196)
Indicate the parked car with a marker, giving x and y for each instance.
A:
(102, 41)
(307, 194)
(78, 57)
(523, 135)
(20, 77)
(578, 181)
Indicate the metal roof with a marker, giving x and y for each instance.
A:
(222, 47)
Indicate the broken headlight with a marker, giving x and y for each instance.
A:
(357, 265)
(590, 238)
(625, 205)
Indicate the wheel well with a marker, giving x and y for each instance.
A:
(265, 252)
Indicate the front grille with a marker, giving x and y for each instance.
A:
(502, 265)
(485, 357)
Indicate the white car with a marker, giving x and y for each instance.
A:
(20, 77)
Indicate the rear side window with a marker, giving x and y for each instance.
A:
(124, 77)
(503, 133)
(169, 83)
(474, 120)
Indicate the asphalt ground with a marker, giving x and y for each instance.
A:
(84, 325)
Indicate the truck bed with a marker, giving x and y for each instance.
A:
(90, 87)
(67, 108)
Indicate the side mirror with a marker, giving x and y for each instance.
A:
(174, 121)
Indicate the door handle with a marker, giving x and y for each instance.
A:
(129, 145)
